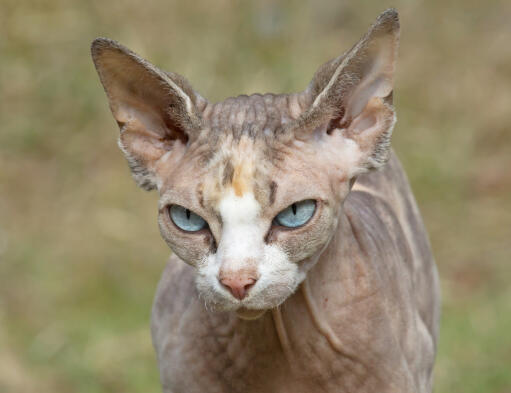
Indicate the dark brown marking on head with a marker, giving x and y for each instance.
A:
(271, 235)
(273, 190)
(228, 173)
(210, 242)
(200, 195)
(219, 218)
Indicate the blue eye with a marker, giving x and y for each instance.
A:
(185, 219)
(297, 214)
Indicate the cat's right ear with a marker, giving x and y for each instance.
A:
(155, 110)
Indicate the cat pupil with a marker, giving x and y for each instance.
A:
(293, 207)
(187, 214)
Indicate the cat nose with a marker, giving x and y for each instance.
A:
(238, 284)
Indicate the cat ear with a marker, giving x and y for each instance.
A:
(155, 110)
(351, 96)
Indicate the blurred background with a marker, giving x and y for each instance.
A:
(80, 251)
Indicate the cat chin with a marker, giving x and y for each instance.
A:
(249, 309)
(248, 314)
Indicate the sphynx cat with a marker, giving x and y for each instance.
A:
(300, 261)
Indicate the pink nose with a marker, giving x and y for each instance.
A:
(238, 285)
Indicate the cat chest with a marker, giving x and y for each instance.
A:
(232, 359)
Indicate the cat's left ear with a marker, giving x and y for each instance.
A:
(351, 97)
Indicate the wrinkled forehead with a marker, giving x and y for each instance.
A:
(256, 116)
(239, 168)
(245, 137)
(243, 144)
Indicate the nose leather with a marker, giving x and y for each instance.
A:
(238, 285)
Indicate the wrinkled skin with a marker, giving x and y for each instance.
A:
(369, 325)
(344, 301)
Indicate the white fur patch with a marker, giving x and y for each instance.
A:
(242, 245)
(241, 232)
(234, 209)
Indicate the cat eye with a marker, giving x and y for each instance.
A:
(296, 214)
(185, 219)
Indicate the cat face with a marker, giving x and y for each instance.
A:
(238, 185)
(251, 187)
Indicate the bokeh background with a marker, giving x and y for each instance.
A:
(80, 252)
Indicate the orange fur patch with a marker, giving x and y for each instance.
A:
(239, 181)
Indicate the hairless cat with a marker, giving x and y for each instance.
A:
(300, 262)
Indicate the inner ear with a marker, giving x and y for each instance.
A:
(366, 128)
(154, 109)
(336, 121)
(353, 94)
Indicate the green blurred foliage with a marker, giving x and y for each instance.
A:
(80, 252)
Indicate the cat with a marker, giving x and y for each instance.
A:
(300, 262)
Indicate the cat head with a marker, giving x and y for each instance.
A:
(251, 188)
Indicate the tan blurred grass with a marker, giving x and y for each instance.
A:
(80, 252)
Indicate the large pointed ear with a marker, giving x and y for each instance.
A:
(155, 110)
(351, 97)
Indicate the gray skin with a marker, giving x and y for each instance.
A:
(375, 287)
(349, 301)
